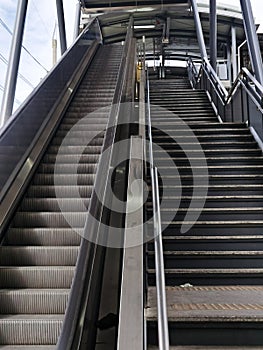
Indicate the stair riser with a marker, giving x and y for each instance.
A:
(205, 280)
(209, 333)
(213, 262)
(211, 245)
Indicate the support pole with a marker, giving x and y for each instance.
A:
(13, 63)
(252, 39)
(54, 47)
(61, 26)
(234, 52)
(199, 30)
(229, 65)
(213, 34)
(77, 20)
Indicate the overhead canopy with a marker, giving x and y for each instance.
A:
(149, 22)
(106, 5)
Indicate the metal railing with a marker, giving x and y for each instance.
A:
(163, 330)
(242, 103)
(87, 280)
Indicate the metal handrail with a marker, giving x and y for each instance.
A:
(86, 264)
(131, 310)
(163, 329)
(223, 94)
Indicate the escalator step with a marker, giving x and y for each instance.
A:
(30, 329)
(33, 301)
(48, 168)
(42, 237)
(38, 256)
(36, 277)
(40, 249)
(48, 219)
(64, 179)
(53, 205)
(62, 191)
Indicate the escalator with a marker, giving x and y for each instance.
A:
(213, 271)
(40, 249)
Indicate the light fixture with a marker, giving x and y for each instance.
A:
(146, 26)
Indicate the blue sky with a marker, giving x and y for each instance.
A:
(39, 27)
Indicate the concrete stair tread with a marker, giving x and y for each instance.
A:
(216, 237)
(212, 253)
(204, 347)
(211, 272)
(209, 303)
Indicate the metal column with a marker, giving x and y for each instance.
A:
(234, 52)
(13, 64)
(229, 65)
(61, 26)
(199, 30)
(77, 20)
(213, 34)
(252, 39)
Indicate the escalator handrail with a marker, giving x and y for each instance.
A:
(85, 263)
(163, 330)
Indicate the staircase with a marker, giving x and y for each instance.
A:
(214, 272)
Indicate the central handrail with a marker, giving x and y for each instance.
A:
(163, 330)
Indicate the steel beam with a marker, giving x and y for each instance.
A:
(199, 30)
(252, 39)
(77, 20)
(229, 65)
(213, 34)
(234, 52)
(61, 26)
(13, 63)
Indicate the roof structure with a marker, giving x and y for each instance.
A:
(150, 17)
